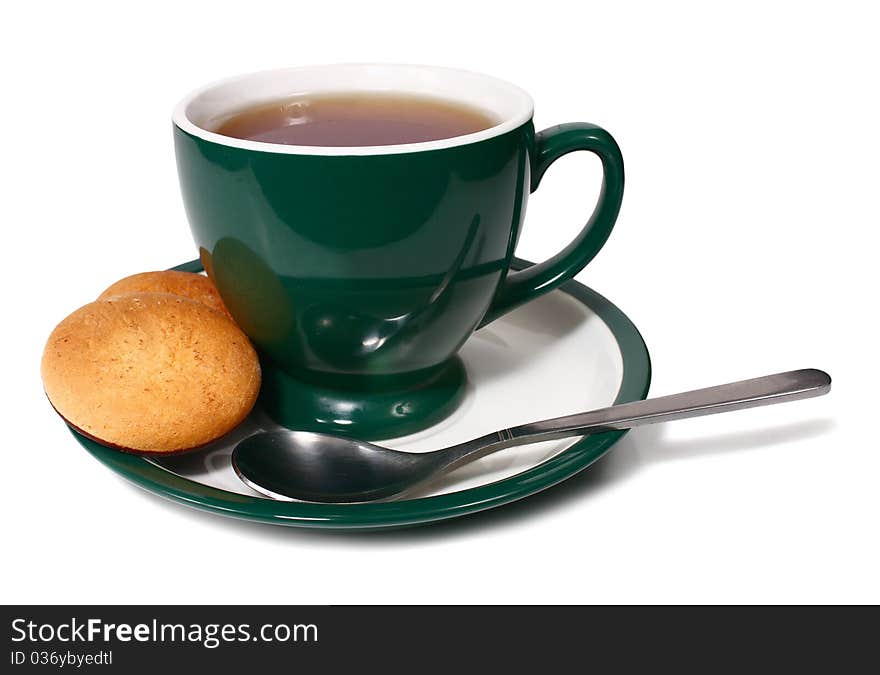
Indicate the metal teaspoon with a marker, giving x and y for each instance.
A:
(323, 468)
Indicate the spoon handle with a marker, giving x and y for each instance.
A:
(767, 390)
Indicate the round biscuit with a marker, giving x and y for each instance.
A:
(151, 373)
(196, 287)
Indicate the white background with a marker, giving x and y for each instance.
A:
(746, 245)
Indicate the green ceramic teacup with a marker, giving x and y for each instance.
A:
(359, 272)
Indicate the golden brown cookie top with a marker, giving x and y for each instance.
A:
(150, 372)
(186, 284)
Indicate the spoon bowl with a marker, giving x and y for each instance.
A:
(325, 468)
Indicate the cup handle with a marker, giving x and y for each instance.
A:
(551, 144)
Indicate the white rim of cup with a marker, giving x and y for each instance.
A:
(507, 102)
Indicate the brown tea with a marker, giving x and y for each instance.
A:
(355, 119)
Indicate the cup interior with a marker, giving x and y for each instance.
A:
(205, 109)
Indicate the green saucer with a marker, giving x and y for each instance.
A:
(612, 338)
